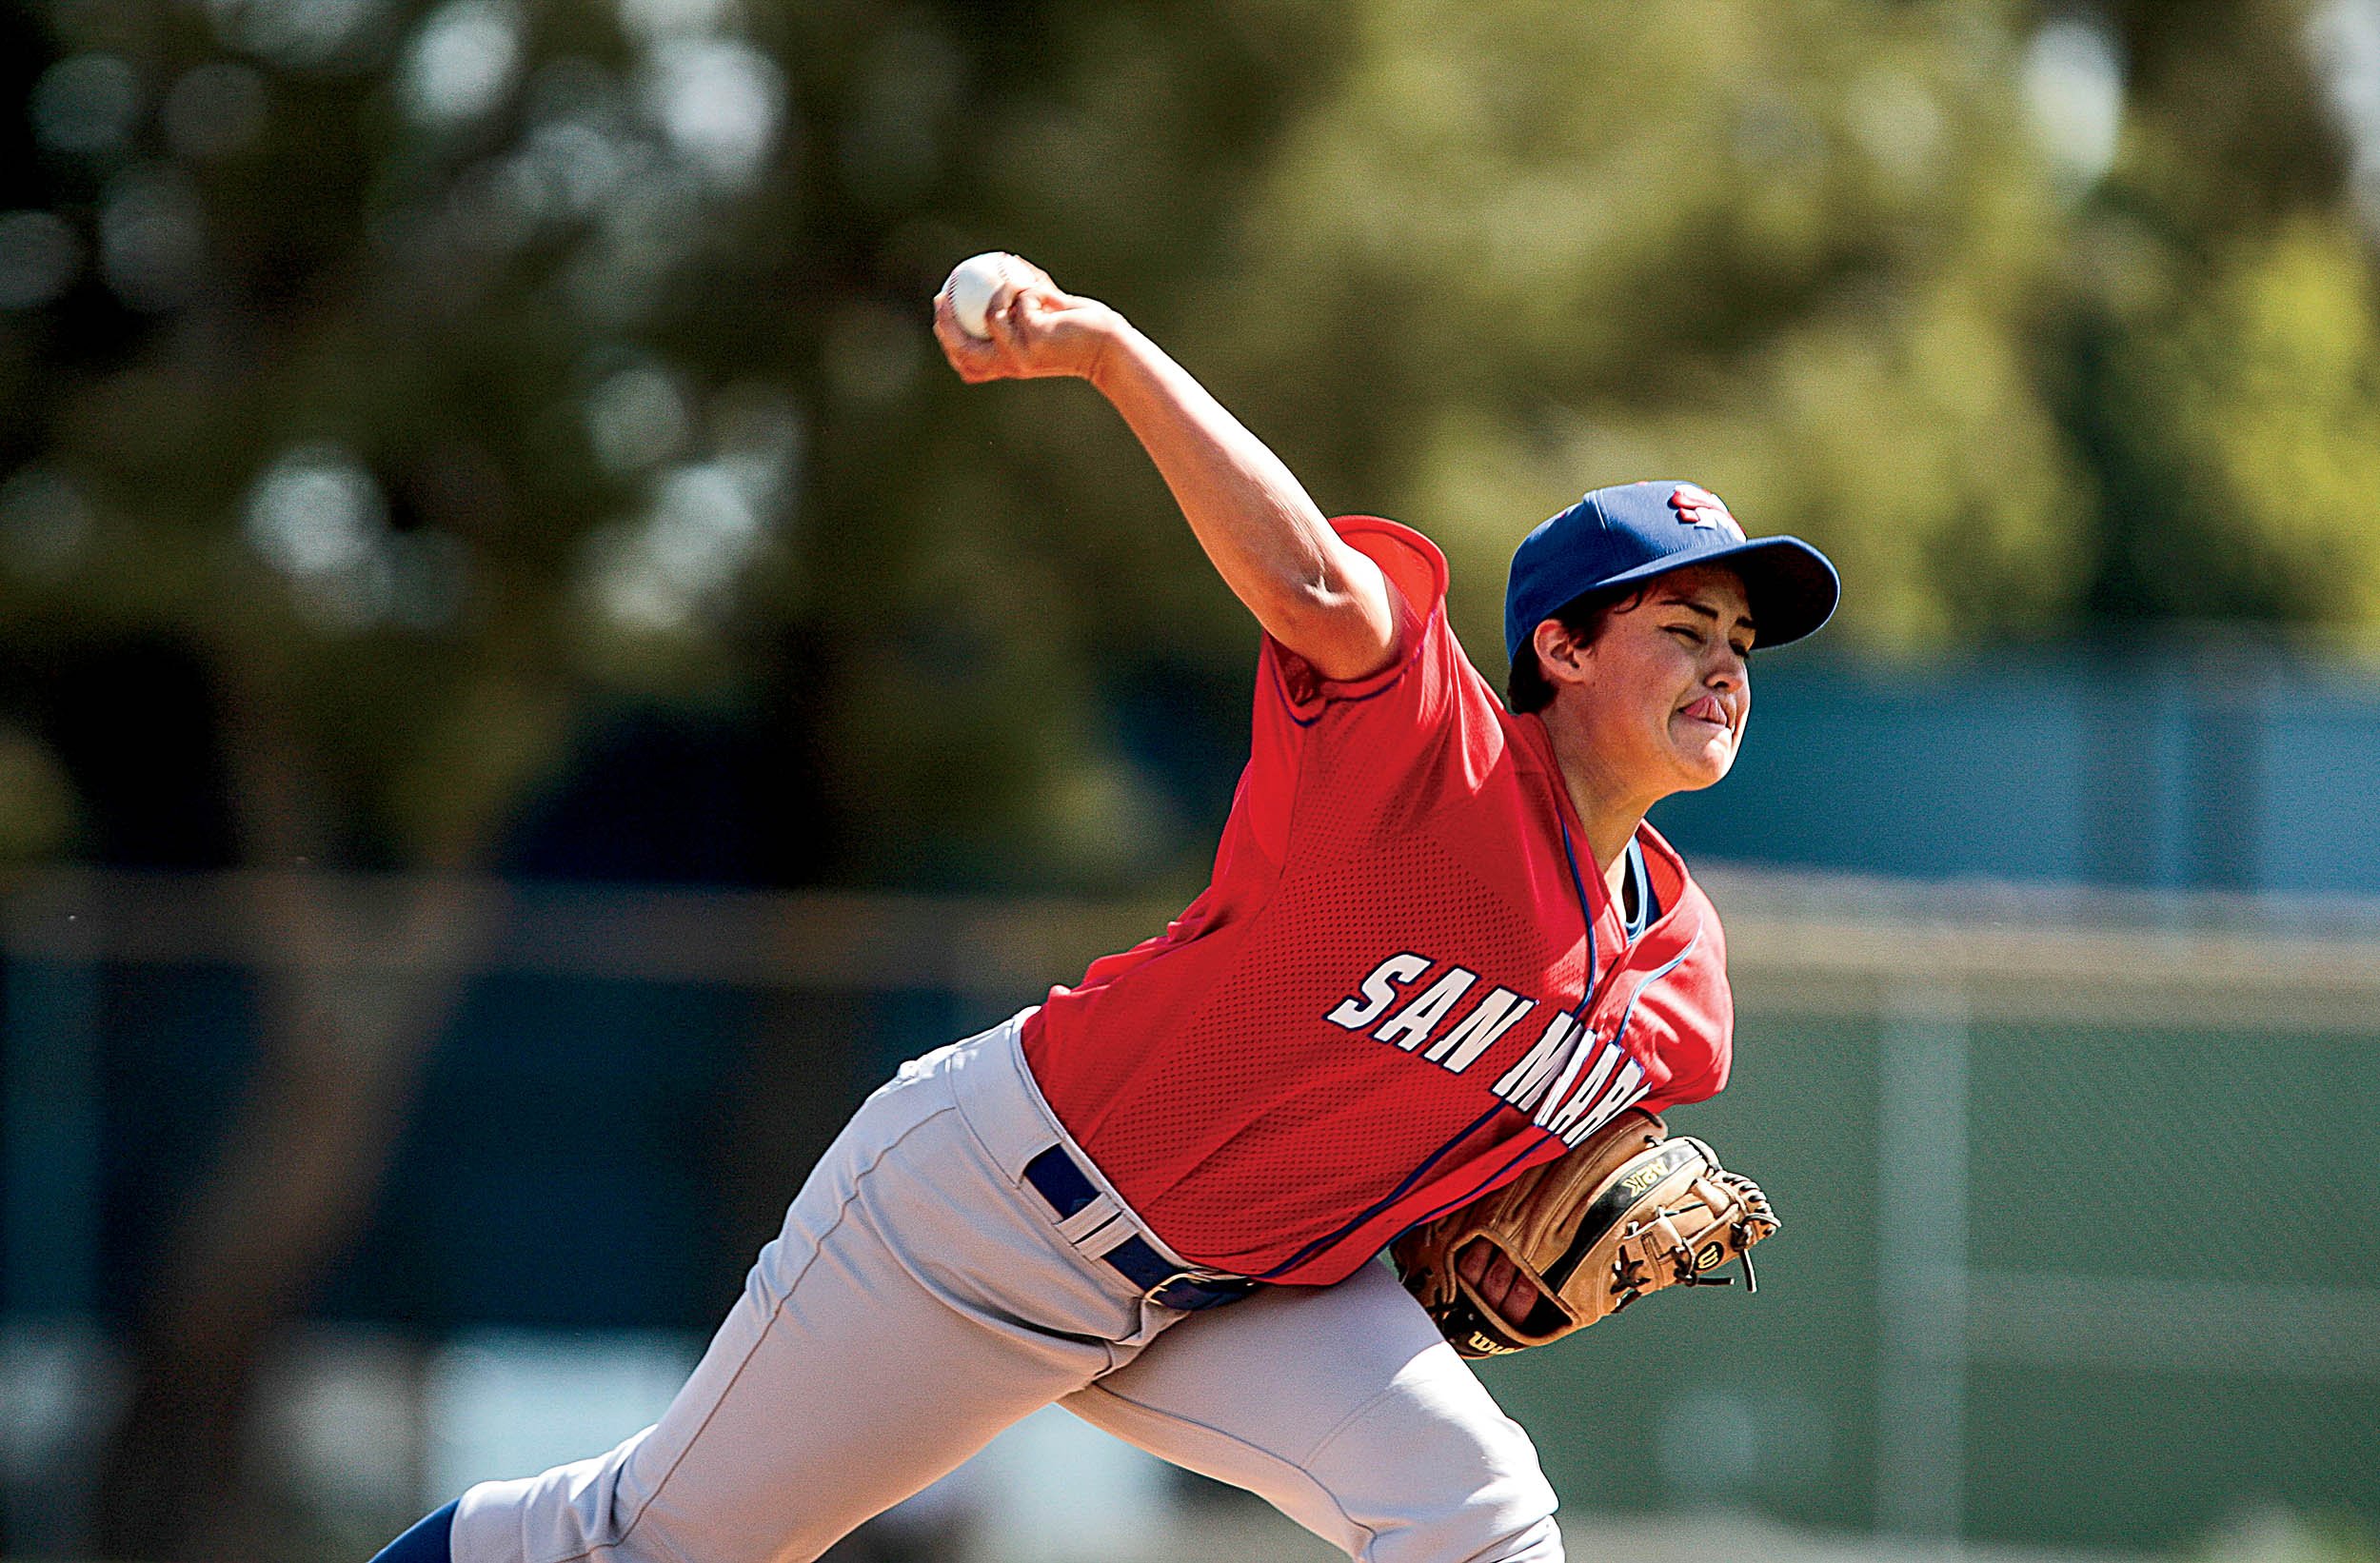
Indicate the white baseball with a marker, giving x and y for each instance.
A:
(971, 285)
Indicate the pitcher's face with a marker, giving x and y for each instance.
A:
(1668, 688)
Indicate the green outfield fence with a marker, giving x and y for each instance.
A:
(2078, 1247)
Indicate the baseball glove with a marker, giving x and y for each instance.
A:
(1628, 1211)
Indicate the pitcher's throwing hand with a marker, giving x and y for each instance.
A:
(1034, 331)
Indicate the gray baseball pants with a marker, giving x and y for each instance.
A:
(922, 1297)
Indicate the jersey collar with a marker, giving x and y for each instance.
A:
(1673, 886)
(1611, 929)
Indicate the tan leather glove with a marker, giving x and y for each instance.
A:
(1628, 1211)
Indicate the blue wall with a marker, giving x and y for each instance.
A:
(2234, 770)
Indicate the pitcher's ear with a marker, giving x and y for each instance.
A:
(1557, 645)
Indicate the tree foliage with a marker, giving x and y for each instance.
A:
(1798, 252)
(447, 368)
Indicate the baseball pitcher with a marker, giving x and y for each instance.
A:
(1442, 985)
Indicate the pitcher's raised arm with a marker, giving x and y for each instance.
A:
(1276, 550)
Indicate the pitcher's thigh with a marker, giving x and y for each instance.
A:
(1344, 1408)
(837, 1385)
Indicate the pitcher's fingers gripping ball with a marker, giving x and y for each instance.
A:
(1629, 1212)
(971, 285)
(1000, 317)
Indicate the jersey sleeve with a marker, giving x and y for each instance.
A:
(1416, 578)
(1428, 710)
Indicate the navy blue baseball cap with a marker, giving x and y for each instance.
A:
(1616, 537)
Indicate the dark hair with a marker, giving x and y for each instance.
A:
(1526, 687)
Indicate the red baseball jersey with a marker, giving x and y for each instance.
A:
(1406, 984)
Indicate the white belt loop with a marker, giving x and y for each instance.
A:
(1098, 1244)
(1100, 1211)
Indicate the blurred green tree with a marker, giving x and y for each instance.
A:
(1798, 252)
(2227, 369)
(2258, 411)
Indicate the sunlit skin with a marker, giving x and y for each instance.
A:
(1653, 703)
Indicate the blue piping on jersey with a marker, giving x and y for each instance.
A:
(1651, 978)
(1491, 1181)
(1390, 1197)
(1586, 914)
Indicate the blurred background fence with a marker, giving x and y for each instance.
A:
(2075, 1254)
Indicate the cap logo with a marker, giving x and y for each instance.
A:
(1701, 508)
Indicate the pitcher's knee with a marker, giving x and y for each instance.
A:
(1539, 1541)
(1430, 1472)
(1509, 1518)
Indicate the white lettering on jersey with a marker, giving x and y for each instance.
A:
(1495, 1015)
(1598, 1100)
(1410, 1025)
(1525, 1081)
(1357, 1011)
(1624, 1092)
(1563, 1104)
(1570, 1082)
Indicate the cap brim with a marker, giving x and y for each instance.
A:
(1792, 587)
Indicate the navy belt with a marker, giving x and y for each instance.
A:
(1068, 1189)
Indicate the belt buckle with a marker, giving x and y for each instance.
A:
(1215, 1283)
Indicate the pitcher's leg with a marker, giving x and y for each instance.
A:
(848, 1375)
(1344, 1408)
